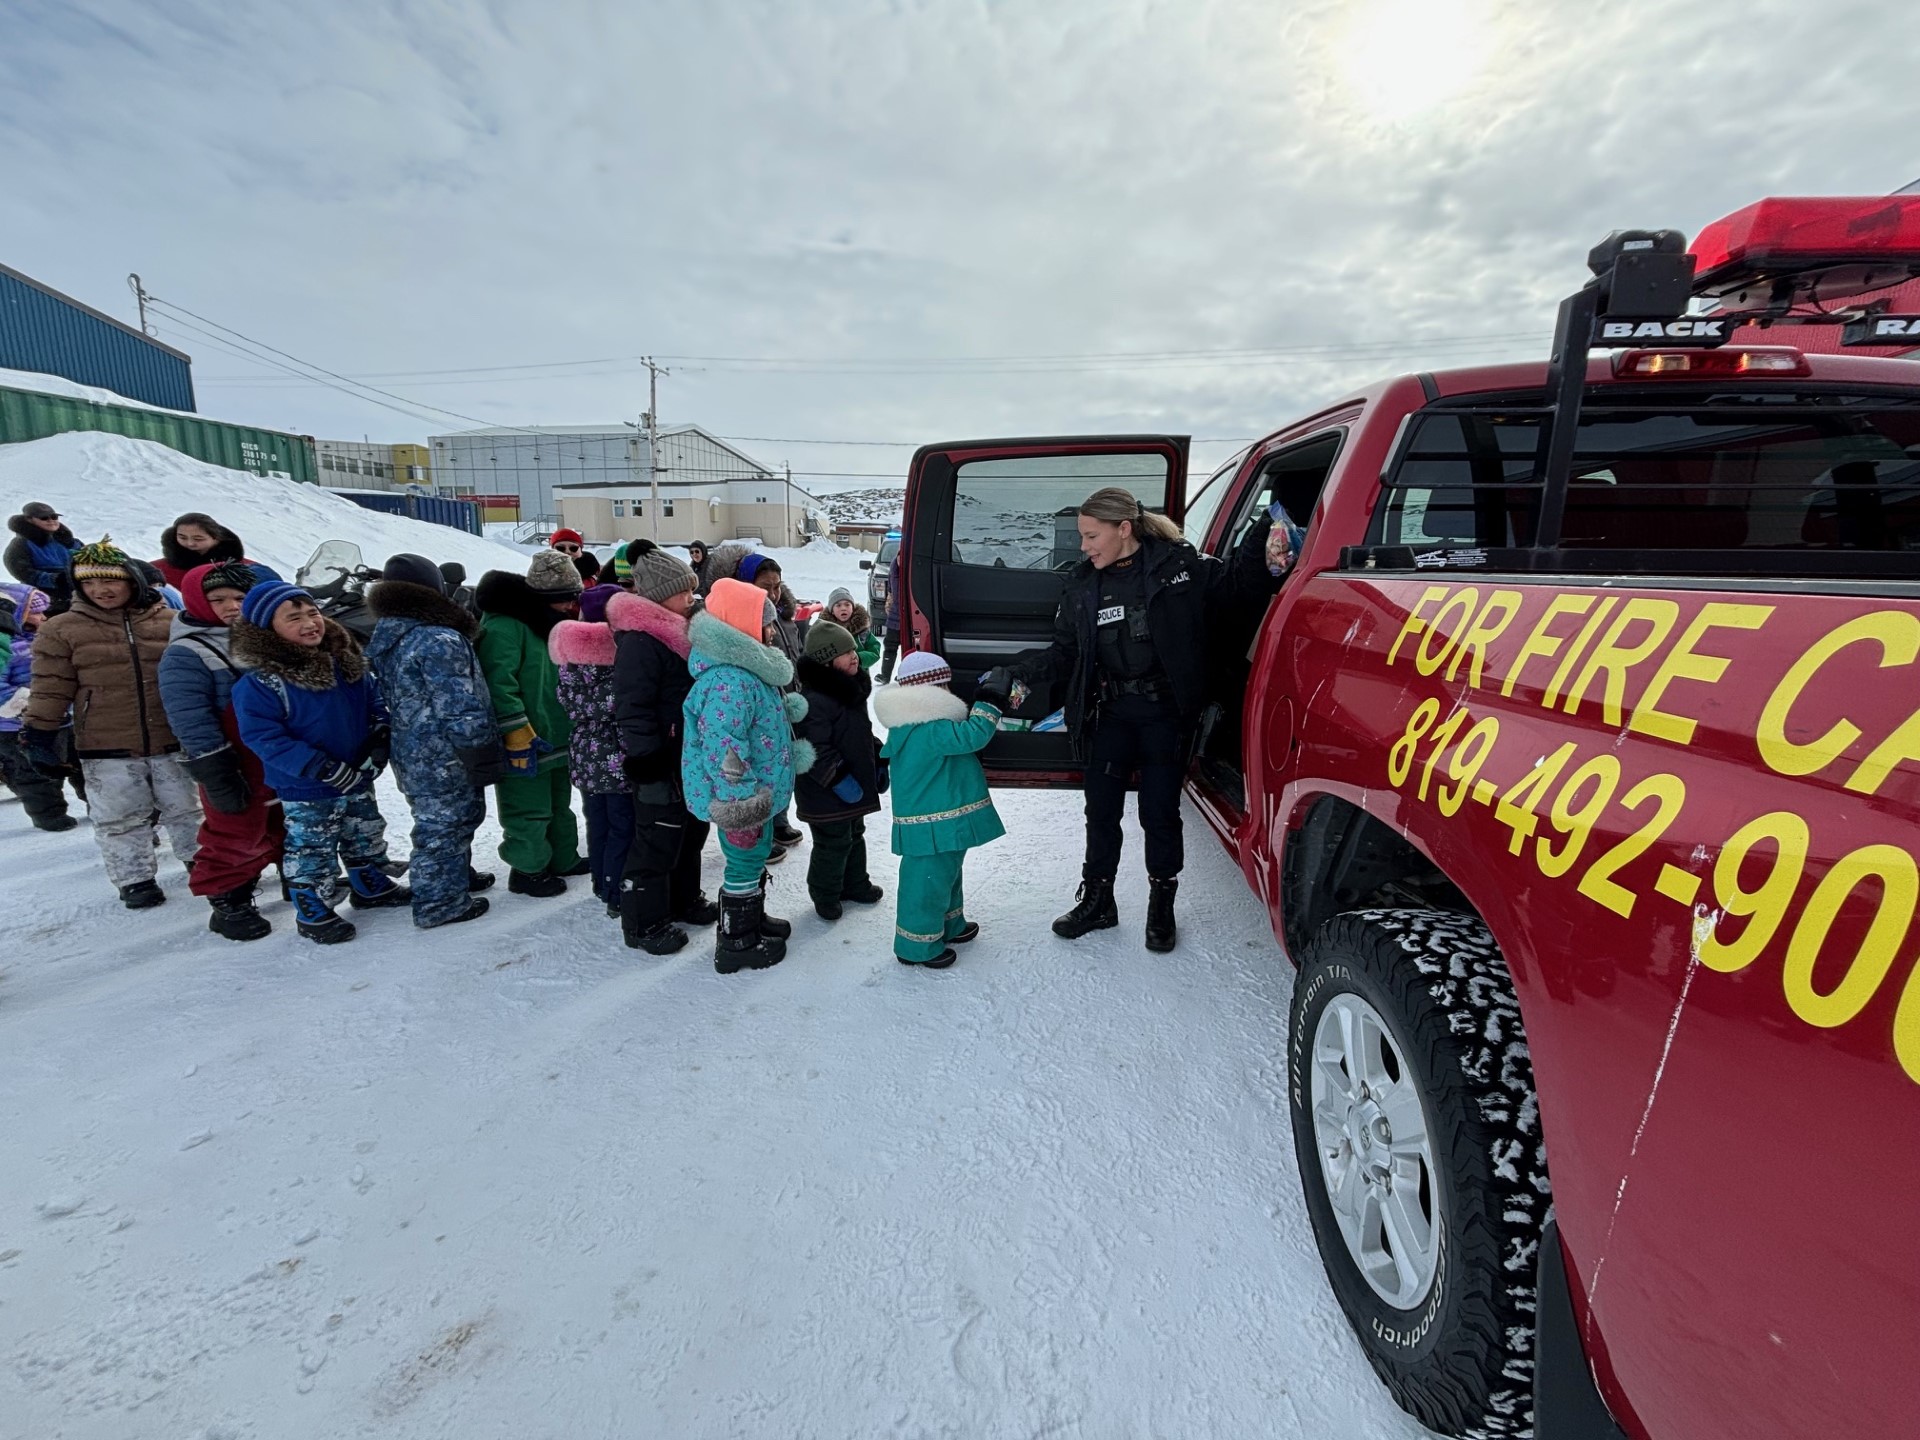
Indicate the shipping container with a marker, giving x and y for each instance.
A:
(53, 334)
(32, 415)
(434, 509)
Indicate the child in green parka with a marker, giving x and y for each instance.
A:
(941, 808)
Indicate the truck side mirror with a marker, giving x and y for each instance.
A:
(866, 564)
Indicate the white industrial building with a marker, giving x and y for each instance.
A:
(595, 479)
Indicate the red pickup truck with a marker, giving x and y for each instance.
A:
(1578, 765)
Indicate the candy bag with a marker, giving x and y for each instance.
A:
(1284, 540)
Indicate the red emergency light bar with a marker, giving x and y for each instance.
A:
(1687, 364)
(1780, 249)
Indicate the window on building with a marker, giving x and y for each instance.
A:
(619, 509)
(416, 472)
(666, 508)
(353, 466)
(759, 499)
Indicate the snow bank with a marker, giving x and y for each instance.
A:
(56, 385)
(133, 489)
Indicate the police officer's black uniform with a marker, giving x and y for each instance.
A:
(1130, 644)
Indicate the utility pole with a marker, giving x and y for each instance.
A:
(654, 372)
(140, 294)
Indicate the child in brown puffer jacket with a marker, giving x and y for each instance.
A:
(102, 659)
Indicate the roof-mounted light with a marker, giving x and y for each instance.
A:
(1752, 361)
(1782, 249)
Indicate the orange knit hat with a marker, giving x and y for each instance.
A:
(738, 604)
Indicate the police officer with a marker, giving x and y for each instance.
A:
(1129, 645)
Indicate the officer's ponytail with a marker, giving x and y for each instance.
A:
(1115, 505)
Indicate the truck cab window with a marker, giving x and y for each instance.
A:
(1022, 513)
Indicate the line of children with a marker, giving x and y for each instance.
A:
(446, 748)
(101, 660)
(941, 806)
(310, 710)
(660, 885)
(540, 836)
(242, 830)
(582, 652)
(739, 761)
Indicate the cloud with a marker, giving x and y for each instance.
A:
(417, 185)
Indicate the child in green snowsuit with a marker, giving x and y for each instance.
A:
(941, 808)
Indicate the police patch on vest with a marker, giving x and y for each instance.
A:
(1111, 615)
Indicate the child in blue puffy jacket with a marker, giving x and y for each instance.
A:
(310, 710)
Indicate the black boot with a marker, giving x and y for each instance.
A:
(1094, 910)
(478, 880)
(864, 893)
(787, 834)
(769, 924)
(1160, 932)
(234, 916)
(662, 939)
(540, 886)
(477, 906)
(655, 936)
(316, 918)
(142, 895)
(697, 911)
(371, 888)
(740, 944)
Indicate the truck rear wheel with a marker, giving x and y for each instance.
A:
(1418, 1139)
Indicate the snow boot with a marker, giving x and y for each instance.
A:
(234, 916)
(776, 854)
(787, 834)
(55, 822)
(1094, 910)
(395, 868)
(329, 890)
(740, 944)
(697, 911)
(865, 893)
(540, 886)
(970, 932)
(478, 880)
(770, 925)
(827, 909)
(373, 889)
(142, 895)
(582, 866)
(939, 962)
(477, 906)
(1160, 928)
(316, 919)
(662, 939)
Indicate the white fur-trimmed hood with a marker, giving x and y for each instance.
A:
(895, 705)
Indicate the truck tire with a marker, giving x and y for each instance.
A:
(1434, 1152)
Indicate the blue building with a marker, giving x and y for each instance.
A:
(53, 334)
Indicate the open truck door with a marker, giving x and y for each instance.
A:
(992, 533)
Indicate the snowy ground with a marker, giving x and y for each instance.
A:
(512, 1180)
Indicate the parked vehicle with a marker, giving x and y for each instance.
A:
(882, 566)
(1578, 764)
(337, 578)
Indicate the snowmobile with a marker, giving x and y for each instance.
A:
(343, 596)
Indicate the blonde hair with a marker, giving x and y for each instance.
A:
(1115, 505)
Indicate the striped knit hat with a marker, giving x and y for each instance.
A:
(923, 667)
(103, 560)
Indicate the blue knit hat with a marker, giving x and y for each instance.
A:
(267, 597)
(750, 566)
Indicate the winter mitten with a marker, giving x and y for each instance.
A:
(848, 789)
(43, 750)
(220, 776)
(380, 747)
(883, 778)
(17, 705)
(341, 777)
(519, 743)
(484, 764)
(995, 687)
(744, 839)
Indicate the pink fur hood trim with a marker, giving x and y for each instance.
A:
(578, 642)
(636, 612)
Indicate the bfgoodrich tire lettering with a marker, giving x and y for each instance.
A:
(1460, 1357)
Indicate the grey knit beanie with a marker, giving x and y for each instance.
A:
(827, 642)
(658, 576)
(552, 573)
(838, 595)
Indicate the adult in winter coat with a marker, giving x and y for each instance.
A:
(41, 552)
(42, 796)
(660, 887)
(310, 710)
(891, 650)
(195, 539)
(446, 748)
(242, 829)
(102, 660)
(1129, 645)
(541, 838)
(853, 617)
(842, 787)
(582, 652)
(739, 762)
(941, 808)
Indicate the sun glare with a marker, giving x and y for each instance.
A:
(1400, 58)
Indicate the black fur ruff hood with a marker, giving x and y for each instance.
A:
(501, 592)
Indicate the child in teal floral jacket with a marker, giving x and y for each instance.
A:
(941, 808)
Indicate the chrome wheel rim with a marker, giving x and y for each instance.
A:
(1376, 1152)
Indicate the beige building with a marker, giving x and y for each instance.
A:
(363, 465)
(706, 490)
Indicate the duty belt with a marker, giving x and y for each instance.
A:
(1153, 687)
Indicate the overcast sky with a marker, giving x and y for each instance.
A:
(864, 208)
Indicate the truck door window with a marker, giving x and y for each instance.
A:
(1295, 476)
(1202, 507)
(1724, 473)
(1021, 513)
